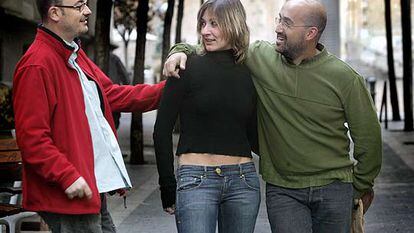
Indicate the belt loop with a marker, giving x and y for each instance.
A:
(241, 170)
(205, 171)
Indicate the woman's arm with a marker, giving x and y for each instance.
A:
(173, 94)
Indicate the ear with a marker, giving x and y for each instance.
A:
(312, 33)
(54, 13)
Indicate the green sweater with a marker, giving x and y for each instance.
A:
(302, 111)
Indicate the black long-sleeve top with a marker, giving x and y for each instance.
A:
(216, 101)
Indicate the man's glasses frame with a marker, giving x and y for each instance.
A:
(287, 25)
(80, 7)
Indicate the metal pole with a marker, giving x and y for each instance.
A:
(384, 106)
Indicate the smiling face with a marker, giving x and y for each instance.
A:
(212, 36)
(290, 44)
(290, 32)
(73, 21)
(299, 26)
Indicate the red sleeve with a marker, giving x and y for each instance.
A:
(34, 101)
(128, 98)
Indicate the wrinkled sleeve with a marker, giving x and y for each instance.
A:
(183, 48)
(173, 95)
(365, 131)
(34, 103)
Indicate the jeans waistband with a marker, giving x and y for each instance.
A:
(241, 168)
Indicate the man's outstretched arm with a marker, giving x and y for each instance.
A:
(177, 59)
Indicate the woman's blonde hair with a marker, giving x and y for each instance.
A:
(231, 19)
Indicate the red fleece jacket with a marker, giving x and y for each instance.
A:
(51, 125)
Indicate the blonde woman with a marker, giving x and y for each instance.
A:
(216, 178)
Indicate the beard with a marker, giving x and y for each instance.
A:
(291, 50)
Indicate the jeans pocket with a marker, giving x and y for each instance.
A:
(251, 180)
(186, 183)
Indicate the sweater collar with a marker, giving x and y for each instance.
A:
(225, 56)
(64, 49)
(312, 60)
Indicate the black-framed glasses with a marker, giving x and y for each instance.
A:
(80, 7)
(287, 24)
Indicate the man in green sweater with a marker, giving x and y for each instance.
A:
(308, 102)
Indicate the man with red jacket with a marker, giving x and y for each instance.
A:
(63, 110)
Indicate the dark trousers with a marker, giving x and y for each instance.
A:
(116, 116)
(324, 209)
(80, 223)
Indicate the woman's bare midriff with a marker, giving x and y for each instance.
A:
(203, 159)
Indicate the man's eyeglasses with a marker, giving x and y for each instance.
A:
(80, 7)
(288, 25)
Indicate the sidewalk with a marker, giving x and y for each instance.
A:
(392, 210)
(393, 207)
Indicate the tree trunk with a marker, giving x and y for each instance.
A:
(407, 64)
(126, 42)
(180, 15)
(166, 37)
(390, 58)
(102, 34)
(137, 144)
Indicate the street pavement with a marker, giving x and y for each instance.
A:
(392, 209)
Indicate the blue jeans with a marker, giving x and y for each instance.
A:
(228, 194)
(324, 209)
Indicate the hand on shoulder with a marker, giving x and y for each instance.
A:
(174, 64)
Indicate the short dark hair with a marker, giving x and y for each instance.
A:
(317, 19)
(44, 5)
